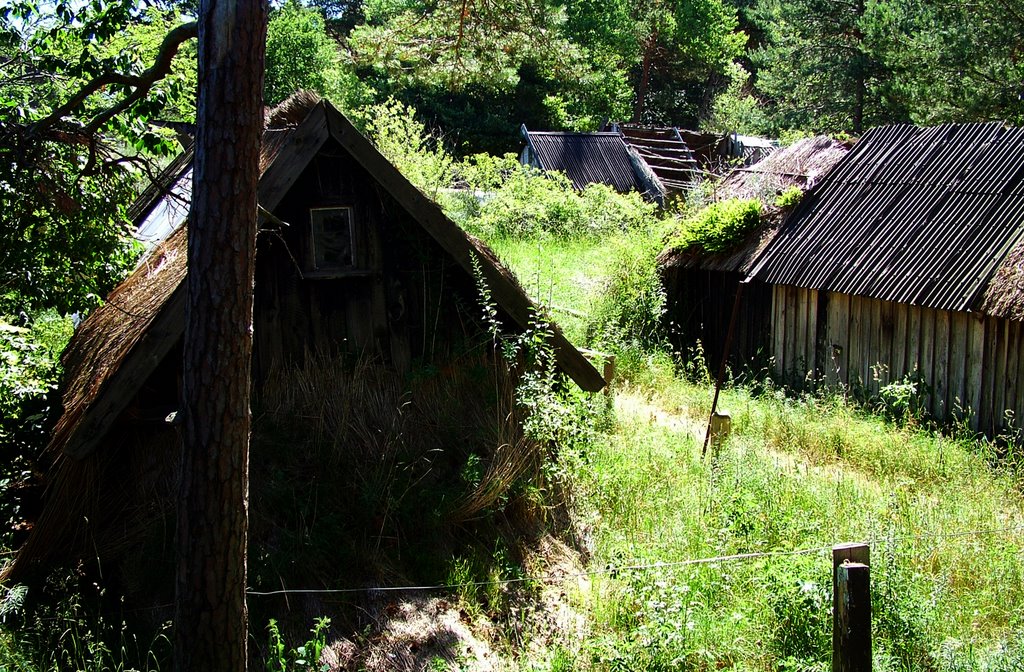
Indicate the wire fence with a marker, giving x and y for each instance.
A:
(637, 567)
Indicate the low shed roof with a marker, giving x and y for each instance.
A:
(802, 164)
(586, 158)
(924, 216)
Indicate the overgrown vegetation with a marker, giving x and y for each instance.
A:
(719, 226)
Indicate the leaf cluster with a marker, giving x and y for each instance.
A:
(719, 226)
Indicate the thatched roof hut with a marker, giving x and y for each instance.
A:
(352, 262)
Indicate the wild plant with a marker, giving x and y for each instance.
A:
(306, 656)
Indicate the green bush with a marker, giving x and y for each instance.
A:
(628, 310)
(719, 226)
(790, 196)
(520, 201)
(29, 371)
(407, 143)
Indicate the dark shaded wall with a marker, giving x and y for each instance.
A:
(699, 306)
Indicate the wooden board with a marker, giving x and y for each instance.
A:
(886, 334)
(790, 345)
(956, 394)
(912, 360)
(811, 338)
(800, 337)
(839, 338)
(854, 340)
(940, 402)
(999, 387)
(973, 368)
(779, 329)
(1012, 366)
(898, 356)
(927, 341)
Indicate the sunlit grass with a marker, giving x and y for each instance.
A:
(564, 275)
(797, 474)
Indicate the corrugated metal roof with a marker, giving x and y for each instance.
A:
(586, 158)
(913, 215)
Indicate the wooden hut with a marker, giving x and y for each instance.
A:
(351, 259)
(701, 287)
(903, 263)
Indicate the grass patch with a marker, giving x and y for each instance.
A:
(796, 474)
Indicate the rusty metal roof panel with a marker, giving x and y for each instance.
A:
(586, 158)
(914, 215)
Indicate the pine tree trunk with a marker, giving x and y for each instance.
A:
(211, 620)
(645, 78)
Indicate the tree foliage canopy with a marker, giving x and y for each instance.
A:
(76, 99)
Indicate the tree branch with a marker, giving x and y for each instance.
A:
(142, 83)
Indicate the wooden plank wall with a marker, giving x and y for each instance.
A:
(970, 363)
(795, 334)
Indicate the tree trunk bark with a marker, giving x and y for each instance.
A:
(645, 78)
(211, 623)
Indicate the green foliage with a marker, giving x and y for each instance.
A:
(719, 226)
(405, 141)
(501, 198)
(303, 657)
(29, 372)
(904, 400)
(789, 197)
(829, 67)
(670, 50)
(301, 55)
(59, 625)
(627, 312)
(142, 37)
(66, 185)
(736, 109)
(800, 596)
(954, 60)
(655, 500)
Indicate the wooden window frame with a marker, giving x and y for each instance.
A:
(317, 269)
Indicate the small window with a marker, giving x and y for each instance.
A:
(332, 239)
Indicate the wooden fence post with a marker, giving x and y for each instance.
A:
(851, 608)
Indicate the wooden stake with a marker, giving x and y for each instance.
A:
(851, 615)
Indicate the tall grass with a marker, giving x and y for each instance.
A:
(945, 521)
(946, 530)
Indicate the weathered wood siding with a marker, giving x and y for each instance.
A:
(406, 300)
(969, 362)
(699, 307)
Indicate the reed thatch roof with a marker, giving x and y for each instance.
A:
(1004, 296)
(801, 164)
(121, 342)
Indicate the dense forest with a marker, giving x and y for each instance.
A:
(97, 97)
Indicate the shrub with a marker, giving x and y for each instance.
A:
(719, 226)
(628, 310)
(407, 143)
(790, 196)
(523, 201)
(28, 377)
